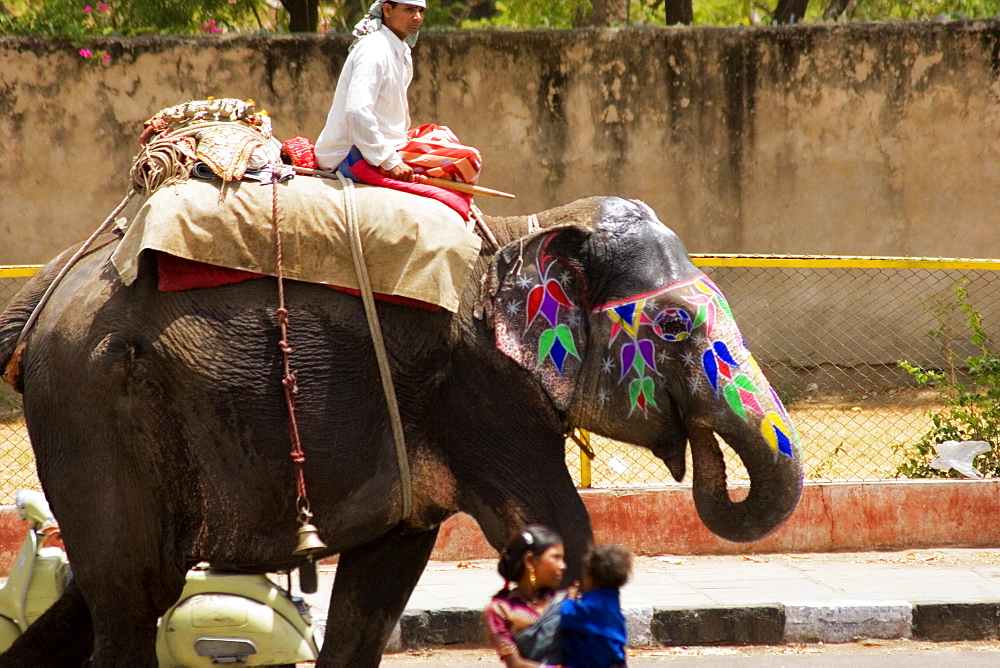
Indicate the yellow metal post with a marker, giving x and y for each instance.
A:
(582, 438)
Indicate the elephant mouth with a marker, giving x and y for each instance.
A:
(775, 485)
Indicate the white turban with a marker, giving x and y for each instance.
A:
(372, 22)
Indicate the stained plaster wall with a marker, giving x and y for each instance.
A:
(876, 139)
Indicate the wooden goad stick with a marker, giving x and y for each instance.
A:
(441, 183)
(465, 187)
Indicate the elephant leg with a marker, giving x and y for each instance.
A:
(62, 637)
(126, 570)
(125, 609)
(550, 499)
(372, 586)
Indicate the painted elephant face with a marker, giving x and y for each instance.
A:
(635, 343)
(682, 329)
(689, 329)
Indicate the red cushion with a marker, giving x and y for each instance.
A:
(460, 202)
(300, 151)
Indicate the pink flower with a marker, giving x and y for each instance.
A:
(88, 9)
(211, 27)
(106, 58)
(86, 53)
(102, 6)
(232, 2)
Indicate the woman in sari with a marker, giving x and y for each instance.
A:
(532, 566)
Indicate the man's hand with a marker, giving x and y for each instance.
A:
(401, 172)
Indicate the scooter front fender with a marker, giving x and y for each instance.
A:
(222, 612)
(9, 632)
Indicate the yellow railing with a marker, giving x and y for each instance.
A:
(842, 262)
(19, 270)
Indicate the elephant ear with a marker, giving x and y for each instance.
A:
(533, 298)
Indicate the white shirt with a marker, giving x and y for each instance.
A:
(369, 107)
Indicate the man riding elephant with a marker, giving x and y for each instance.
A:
(369, 120)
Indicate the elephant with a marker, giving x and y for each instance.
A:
(161, 434)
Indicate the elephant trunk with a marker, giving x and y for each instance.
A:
(775, 487)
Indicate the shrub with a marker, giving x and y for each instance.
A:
(973, 406)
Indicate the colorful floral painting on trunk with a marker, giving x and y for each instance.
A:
(698, 314)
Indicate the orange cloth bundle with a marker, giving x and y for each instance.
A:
(434, 150)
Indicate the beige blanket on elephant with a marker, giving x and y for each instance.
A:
(414, 246)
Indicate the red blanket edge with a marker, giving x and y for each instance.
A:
(176, 274)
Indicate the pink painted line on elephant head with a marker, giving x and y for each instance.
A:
(650, 295)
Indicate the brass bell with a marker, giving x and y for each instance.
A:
(309, 541)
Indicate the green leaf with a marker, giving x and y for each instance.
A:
(565, 335)
(634, 388)
(744, 382)
(732, 395)
(545, 343)
(649, 391)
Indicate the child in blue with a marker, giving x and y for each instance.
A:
(592, 626)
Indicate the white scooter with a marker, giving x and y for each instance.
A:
(220, 618)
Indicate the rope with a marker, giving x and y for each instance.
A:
(350, 206)
(169, 157)
(69, 265)
(160, 163)
(288, 381)
(484, 230)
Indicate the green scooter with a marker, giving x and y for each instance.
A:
(220, 618)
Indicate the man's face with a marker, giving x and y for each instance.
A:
(403, 20)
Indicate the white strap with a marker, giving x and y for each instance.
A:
(350, 207)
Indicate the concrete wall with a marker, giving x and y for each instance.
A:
(854, 139)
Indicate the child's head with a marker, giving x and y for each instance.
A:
(606, 567)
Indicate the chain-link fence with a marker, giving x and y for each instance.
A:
(829, 334)
(16, 458)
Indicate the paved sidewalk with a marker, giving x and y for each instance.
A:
(948, 594)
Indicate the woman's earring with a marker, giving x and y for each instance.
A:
(531, 575)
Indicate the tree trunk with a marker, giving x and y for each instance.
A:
(607, 13)
(789, 11)
(303, 15)
(679, 11)
(835, 9)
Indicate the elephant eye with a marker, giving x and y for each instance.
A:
(673, 324)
